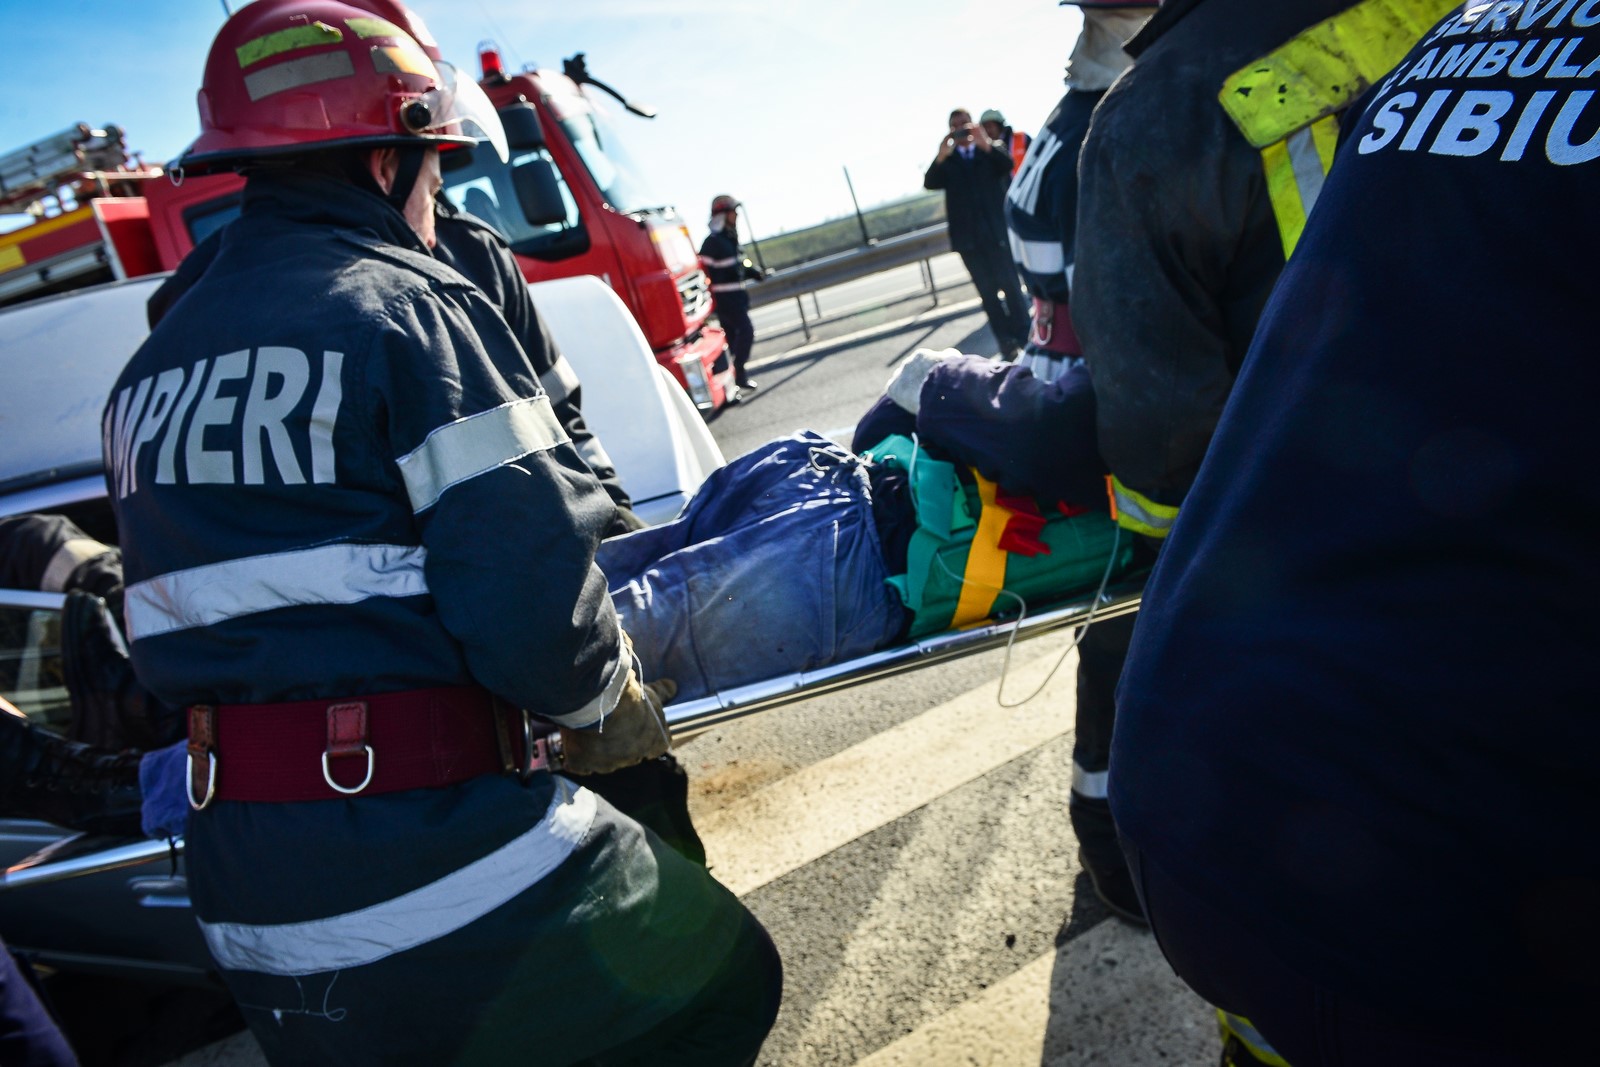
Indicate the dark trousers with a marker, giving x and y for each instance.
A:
(654, 794)
(1100, 657)
(733, 311)
(993, 273)
(727, 1022)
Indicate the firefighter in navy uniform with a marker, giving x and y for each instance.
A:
(357, 544)
(655, 792)
(1042, 203)
(1357, 821)
(729, 271)
(1041, 220)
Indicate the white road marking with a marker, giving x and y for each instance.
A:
(1104, 997)
(997, 847)
(886, 777)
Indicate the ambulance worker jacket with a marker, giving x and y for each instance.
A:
(724, 264)
(1402, 819)
(479, 251)
(1042, 204)
(359, 491)
(1177, 246)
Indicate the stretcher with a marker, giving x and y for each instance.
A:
(81, 855)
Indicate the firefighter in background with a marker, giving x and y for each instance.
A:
(1191, 200)
(1372, 830)
(729, 271)
(356, 543)
(1041, 219)
(1014, 142)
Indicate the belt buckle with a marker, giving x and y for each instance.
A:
(211, 780)
(347, 736)
(202, 743)
(541, 753)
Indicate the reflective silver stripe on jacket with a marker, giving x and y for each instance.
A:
(709, 262)
(560, 381)
(1307, 163)
(727, 287)
(439, 908)
(1041, 257)
(68, 558)
(477, 444)
(328, 574)
(594, 455)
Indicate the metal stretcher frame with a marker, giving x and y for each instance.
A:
(75, 856)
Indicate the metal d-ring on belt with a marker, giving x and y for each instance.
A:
(308, 750)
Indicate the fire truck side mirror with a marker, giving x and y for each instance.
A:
(539, 193)
(523, 131)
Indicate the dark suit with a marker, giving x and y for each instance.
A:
(974, 199)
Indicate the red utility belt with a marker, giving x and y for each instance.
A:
(1053, 330)
(384, 743)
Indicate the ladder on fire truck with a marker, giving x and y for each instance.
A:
(86, 222)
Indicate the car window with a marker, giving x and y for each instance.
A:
(31, 671)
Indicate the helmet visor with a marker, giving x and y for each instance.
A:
(460, 108)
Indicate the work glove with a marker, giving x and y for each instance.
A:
(905, 384)
(635, 731)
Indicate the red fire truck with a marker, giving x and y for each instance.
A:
(569, 200)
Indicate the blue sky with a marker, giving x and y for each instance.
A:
(765, 99)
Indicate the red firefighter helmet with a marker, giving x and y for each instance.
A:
(723, 203)
(285, 76)
(407, 20)
(471, 105)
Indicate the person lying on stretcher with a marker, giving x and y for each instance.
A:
(802, 553)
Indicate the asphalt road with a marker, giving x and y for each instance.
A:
(906, 842)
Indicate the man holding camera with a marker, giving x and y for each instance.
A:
(974, 175)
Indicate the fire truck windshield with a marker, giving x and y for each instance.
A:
(593, 133)
(477, 182)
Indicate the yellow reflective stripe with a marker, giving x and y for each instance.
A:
(985, 574)
(1137, 512)
(375, 27)
(1325, 135)
(1284, 193)
(1248, 1036)
(1322, 69)
(272, 44)
(400, 58)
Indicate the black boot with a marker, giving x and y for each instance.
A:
(45, 776)
(1102, 858)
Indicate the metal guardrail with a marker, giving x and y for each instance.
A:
(918, 246)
